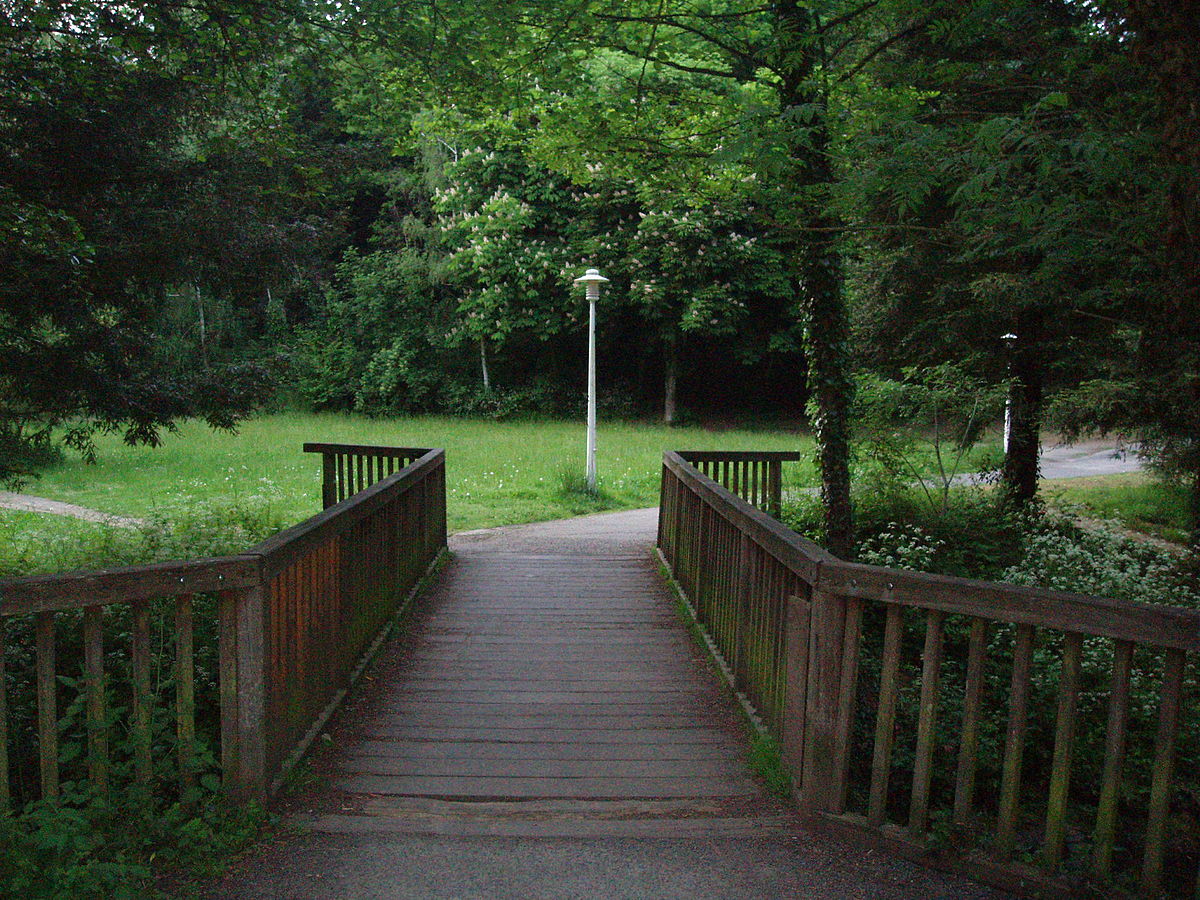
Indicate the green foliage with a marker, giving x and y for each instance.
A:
(1059, 553)
(38, 545)
(82, 846)
(936, 412)
(973, 535)
(766, 761)
(1143, 503)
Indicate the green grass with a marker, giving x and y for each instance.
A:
(1137, 500)
(498, 473)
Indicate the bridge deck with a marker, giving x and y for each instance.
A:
(549, 730)
(552, 694)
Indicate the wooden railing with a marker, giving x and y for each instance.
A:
(347, 469)
(283, 627)
(756, 475)
(920, 710)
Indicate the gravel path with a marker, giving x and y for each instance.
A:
(29, 503)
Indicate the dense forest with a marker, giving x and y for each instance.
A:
(208, 206)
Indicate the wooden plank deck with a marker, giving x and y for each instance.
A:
(550, 695)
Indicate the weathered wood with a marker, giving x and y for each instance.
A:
(75, 590)
(968, 748)
(228, 674)
(1143, 623)
(281, 550)
(799, 614)
(185, 697)
(800, 555)
(1164, 767)
(1064, 740)
(826, 636)
(47, 704)
(931, 669)
(97, 707)
(845, 714)
(329, 493)
(251, 695)
(140, 727)
(1014, 743)
(366, 450)
(1114, 759)
(885, 720)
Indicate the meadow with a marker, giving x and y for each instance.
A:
(499, 473)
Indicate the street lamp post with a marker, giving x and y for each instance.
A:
(592, 279)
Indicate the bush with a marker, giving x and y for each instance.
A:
(974, 536)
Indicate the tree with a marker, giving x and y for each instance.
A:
(121, 176)
(1004, 167)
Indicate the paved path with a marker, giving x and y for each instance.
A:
(29, 503)
(548, 731)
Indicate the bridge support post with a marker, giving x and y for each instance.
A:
(243, 692)
(819, 773)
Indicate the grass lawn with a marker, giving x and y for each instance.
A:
(499, 473)
(1137, 500)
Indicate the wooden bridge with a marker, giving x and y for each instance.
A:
(551, 691)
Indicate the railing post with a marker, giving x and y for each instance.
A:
(826, 637)
(775, 487)
(243, 692)
(795, 698)
(328, 480)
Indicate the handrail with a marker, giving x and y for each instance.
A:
(806, 636)
(754, 475)
(293, 617)
(348, 469)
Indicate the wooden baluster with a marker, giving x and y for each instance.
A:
(795, 698)
(97, 714)
(227, 653)
(964, 785)
(1114, 759)
(885, 722)
(47, 704)
(1164, 765)
(5, 794)
(185, 696)
(827, 631)
(1064, 740)
(343, 474)
(358, 470)
(1014, 744)
(328, 480)
(778, 495)
(849, 686)
(926, 722)
(140, 731)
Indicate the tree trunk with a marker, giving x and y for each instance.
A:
(483, 366)
(1020, 473)
(818, 266)
(670, 375)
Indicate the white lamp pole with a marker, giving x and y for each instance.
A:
(592, 279)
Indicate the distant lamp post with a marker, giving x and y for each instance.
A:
(1009, 340)
(592, 279)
